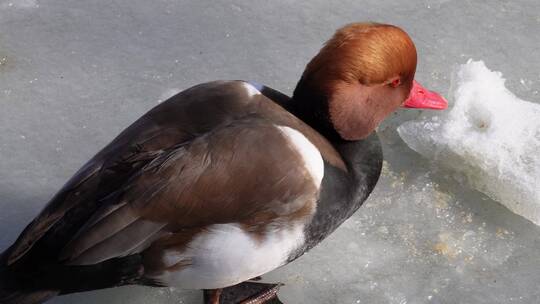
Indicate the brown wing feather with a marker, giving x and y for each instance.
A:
(245, 172)
(185, 116)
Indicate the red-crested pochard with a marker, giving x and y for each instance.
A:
(225, 181)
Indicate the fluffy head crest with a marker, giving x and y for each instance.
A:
(368, 53)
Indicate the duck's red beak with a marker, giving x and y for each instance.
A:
(422, 98)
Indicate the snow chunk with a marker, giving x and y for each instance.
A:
(490, 136)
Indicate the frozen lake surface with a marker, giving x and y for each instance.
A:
(73, 74)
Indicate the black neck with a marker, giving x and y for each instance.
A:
(311, 106)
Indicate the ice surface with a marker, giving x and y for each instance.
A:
(490, 136)
(20, 4)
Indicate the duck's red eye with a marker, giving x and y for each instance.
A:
(395, 82)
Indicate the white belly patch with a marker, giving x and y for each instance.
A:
(226, 255)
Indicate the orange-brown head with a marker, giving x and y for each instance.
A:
(365, 72)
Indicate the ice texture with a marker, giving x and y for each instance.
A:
(490, 137)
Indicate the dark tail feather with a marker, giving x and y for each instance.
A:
(11, 293)
(111, 273)
(41, 285)
(30, 297)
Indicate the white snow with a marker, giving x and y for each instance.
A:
(490, 136)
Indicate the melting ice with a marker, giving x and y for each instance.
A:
(490, 137)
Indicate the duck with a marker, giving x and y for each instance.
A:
(225, 181)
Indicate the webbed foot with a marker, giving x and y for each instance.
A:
(244, 293)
